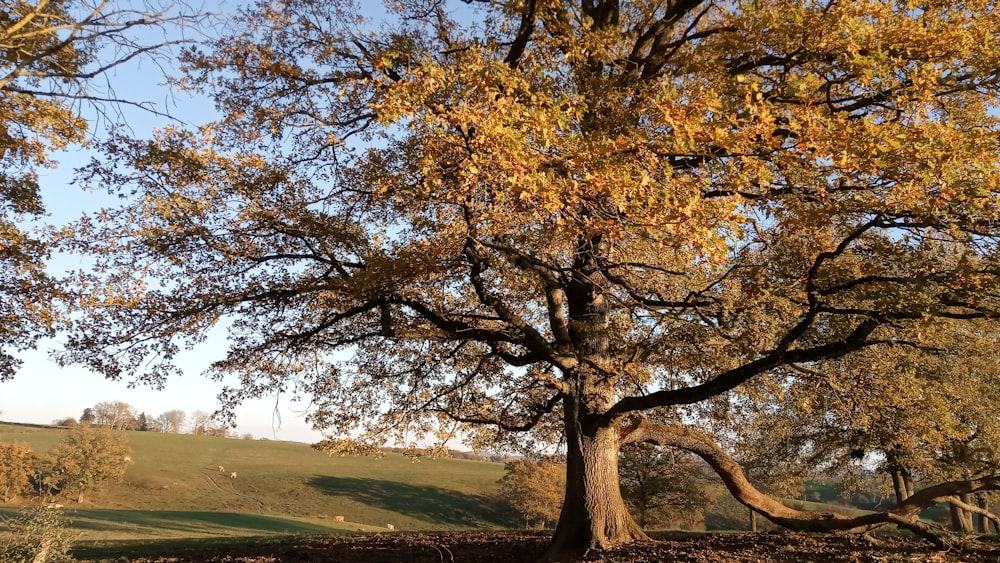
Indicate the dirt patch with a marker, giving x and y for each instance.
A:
(474, 547)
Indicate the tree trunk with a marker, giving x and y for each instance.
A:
(956, 518)
(898, 486)
(753, 520)
(982, 524)
(966, 515)
(961, 519)
(594, 515)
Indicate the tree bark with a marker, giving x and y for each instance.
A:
(594, 515)
(956, 518)
(961, 513)
(899, 485)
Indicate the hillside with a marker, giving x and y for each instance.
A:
(177, 472)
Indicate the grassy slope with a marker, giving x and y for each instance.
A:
(179, 473)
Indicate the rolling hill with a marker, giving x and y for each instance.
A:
(175, 485)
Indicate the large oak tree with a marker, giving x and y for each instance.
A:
(547, 218)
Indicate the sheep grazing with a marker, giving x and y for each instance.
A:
(390, 527)
(222, 469)
(338, 518)
(232, 475)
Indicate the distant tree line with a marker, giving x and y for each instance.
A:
(119, 415)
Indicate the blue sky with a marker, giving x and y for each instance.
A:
(42, 391)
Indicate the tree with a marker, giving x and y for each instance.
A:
(663, 488)
(534, 489)
(142, 423)
(171, 421)
(200, 423)
(540, 220)
(116, 415)
(87, 458)
(53, 57)
(88, 416)
(926, 412)
(17, 465)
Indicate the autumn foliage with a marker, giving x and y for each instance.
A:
(534, 488)
(537, 221)
(88, 457)
(17, 466)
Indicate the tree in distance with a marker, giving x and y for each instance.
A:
(534, 488)
(921, 409)
(17, 466)
(54, 55)
(87, 458)
(665, 489)
(544, 222)
(171, 421)
(116, 415)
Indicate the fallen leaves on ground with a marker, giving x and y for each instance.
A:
(484, 547)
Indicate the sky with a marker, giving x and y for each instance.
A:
(43, 392)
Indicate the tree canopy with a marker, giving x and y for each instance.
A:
(534, 489)
(88, 457)
(543, 218)
(53, 55)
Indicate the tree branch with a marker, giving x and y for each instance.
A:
(906, 514)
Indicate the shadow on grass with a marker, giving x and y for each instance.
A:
(433, 504)
(187, 522)
(172, 548)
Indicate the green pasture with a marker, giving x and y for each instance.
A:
(178, 475)
(96, 525)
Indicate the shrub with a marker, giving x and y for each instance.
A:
(38, 535)
(534, 488)
(17, 465)
(87, 458)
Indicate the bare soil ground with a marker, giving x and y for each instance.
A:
(474, 547)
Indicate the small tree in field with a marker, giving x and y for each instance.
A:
(86, 458)
(666, 489)
(17, 465)
(534, 489)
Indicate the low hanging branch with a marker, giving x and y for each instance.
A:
(905, 514)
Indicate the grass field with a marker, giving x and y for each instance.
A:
(174, 490)
(174, 497)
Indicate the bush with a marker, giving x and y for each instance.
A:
(534, 488)
(38, 535)
(17, 465)
(87, 458)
